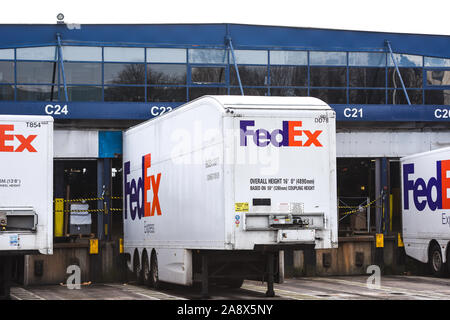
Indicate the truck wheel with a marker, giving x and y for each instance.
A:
(154, 276)
(435, 260)
(137, 269)
(145, 270)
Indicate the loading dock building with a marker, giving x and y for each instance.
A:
(390, 91)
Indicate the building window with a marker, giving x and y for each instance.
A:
(122, 93)
(6, 72)
(6, 92)
(328, 76)
(166, 94)
(82, 93)
(437, 97)
(37, 93)
(207, 75)
(82, 73)
(37, 72)
(330, 96)
(366, 96)
(196, 92)
(124, 73)
(398, 96)
(367, 77)
(412, 77)
(438, 77)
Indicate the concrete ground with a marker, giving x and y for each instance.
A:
(305, 288)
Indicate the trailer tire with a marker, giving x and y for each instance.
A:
(154, 274)
(137, 268)
(146, 274)
(435, 260)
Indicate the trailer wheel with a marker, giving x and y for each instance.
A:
(435, 260)
(145, 269)
(137, 268)
(154, 275)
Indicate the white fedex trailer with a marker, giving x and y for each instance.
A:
(216, 188)
(26, 189)
(426, 207)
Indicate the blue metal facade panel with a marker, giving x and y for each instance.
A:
(109, 144)
(145, 111)
(214, 35)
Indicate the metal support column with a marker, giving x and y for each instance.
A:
(100, 194)
(270, 275)
(61, 63)
(107, 196)
(398, 71)
(385, 186)
(378, 194)
(230, 45)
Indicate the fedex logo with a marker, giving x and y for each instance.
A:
(288, 133)
(25, 142)
(421, 190)
(137, 191)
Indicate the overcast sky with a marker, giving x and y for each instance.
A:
(412, 16)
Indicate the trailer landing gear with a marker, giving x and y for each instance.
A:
(270, 275)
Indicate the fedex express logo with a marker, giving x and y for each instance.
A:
(137, 191)
(6, 135)
(421, 190)
(288, 133)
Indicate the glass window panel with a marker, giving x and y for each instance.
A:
(250, 57)
(365, 96)
(412, 78)
(439, 97)
(79, 53)
(37, 53)
(438, 77)
(398, 96)
(7, 71)
(367, 77)
(205, 75)
(37, 72)
(207, 56)
(328, 76)
(166, 74)
(197, 92)
(331, 96)
(82, 73)
(132, 94)
(166, 94)
(250, 75)
(405, 60)
(7, 54)
(6, 92)
(287, 76)
(249, 91)
(436, 62)
(37, 93)
(121, 73)
(374, 59)
(165, 55)
(328, 58)
(119, 54)
(82, 93)
(288, 57)
(291, 92)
